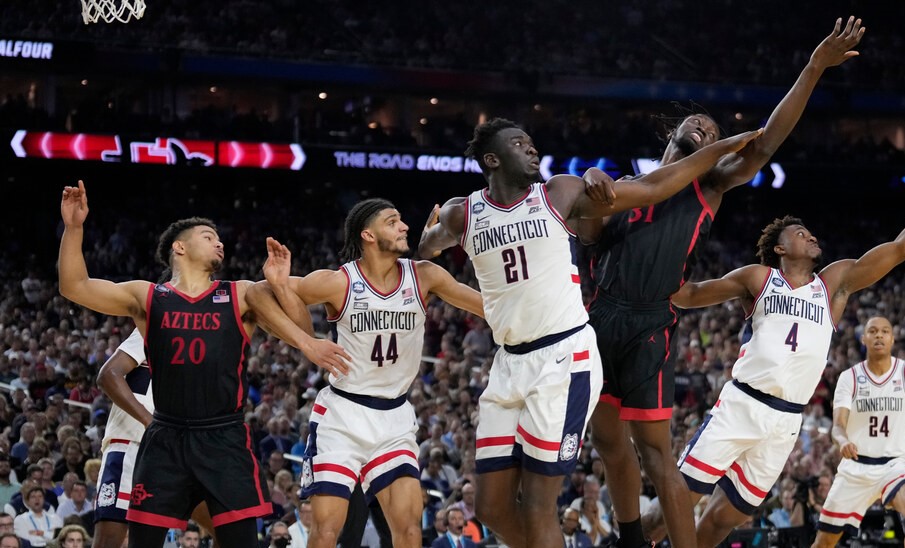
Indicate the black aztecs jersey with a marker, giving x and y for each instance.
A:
(196, 349)
(645, 254)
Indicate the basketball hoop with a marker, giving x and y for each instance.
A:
(112, 10)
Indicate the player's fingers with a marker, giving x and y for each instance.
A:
(837, 26)
(848, 24)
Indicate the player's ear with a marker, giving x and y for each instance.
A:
(178, 248)
(367, 236)
(779, 249)
(491, 160)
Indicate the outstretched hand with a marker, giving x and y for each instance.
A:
(278, 264)
(836, 48)
(74, 206)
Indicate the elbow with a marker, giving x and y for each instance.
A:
(103, 380)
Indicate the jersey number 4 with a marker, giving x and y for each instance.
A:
(377, 353)
(792, 337)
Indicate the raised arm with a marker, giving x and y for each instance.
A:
(112, 380)
(443, 229)
(743, 283)
(835, 49)
(276, 271)
(317, 287)
(849, 275)
(645, 190)
(438, 281)
(104, 296)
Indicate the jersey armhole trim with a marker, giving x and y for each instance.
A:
(233, 290)
(699, 192)
(340, 312)
(148, 325)
(421, 301)
(763, 289)
(829, 303)
(467, 221)
(553, 211)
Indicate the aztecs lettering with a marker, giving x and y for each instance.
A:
(195, 321)
(499, 236)
(794, 306)
(382, 320)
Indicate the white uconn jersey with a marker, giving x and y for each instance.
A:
(121, 425)
(792, 329)
(383, 333)
(876, 421)
(524, 259)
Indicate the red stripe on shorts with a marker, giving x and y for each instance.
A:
(702, 466)
(537, 442)
(750, 486)
(387, 457)
(493, 441)
(579, 356)
(328, 467)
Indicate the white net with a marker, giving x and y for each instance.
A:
(112, 10)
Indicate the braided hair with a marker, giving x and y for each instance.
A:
(357, 220)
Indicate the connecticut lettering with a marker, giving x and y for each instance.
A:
(381, 320)
(873, 405)
(196, 321)
(793, 306)
(498, 236)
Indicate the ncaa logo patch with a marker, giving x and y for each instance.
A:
(477, 208)
(358, 287)
(569, 447)
(107, 495)
(778, 283)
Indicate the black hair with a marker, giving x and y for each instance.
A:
(358, 218)
(172, 233)
(482, 139)
(769, 239)
(668, 124)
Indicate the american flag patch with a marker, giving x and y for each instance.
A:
(407, 292)
(534, 200)
(221, 296)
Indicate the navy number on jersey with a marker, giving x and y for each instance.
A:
(512, 264)
(377, 353)
(792, 337)
(195, 354)
(878, 427)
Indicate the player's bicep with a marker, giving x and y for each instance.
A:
(707, 293)
(320, 287)
(111, 298)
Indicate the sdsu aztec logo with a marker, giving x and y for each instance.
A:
(139, 494)
(107, 495)
(569, 447)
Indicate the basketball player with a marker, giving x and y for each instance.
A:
(362, 426)
(545, 380)
(644, 256)
(197, 335)
(869, 428)
(741, 447)
(126, 380)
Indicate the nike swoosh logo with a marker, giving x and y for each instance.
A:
(360, 298)
(560, 360)
(479, 219)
